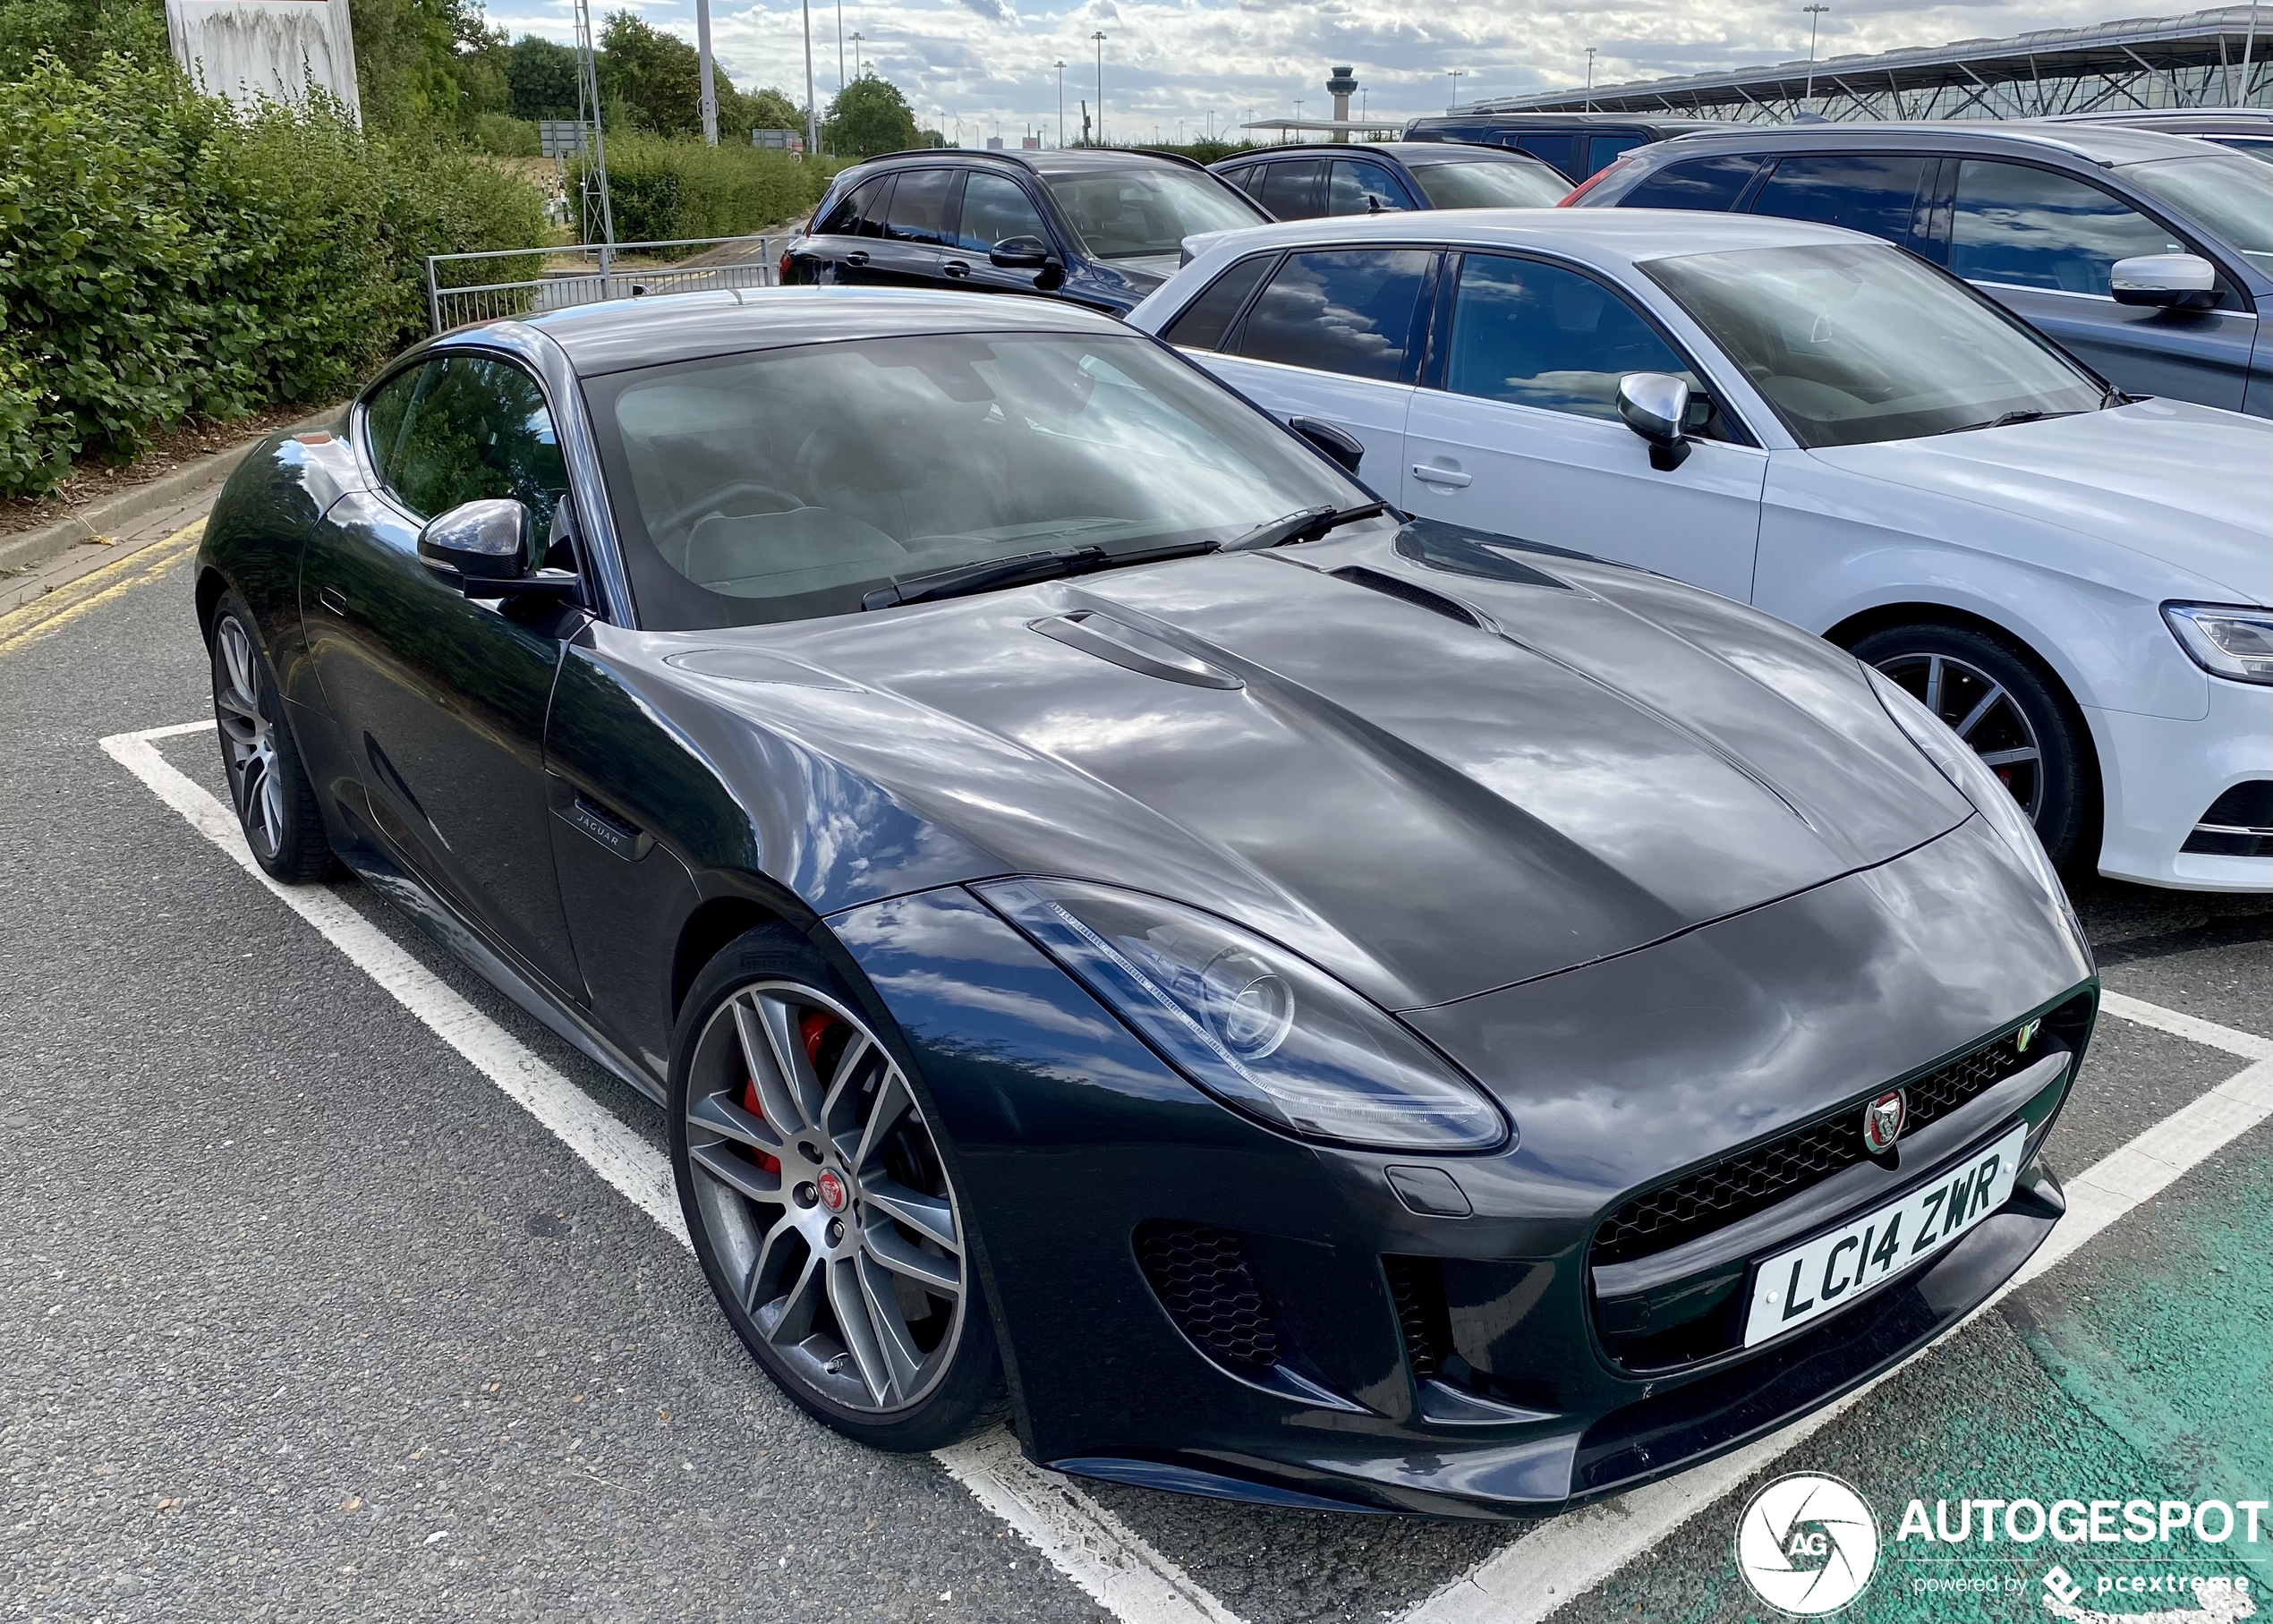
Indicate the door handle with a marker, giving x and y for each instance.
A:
(1441, 476)
(956, 268)
(857, 257)
(331, 600)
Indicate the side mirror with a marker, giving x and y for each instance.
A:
(480, 542)
(1655, 405)
(1021, 253)
(1346, 451)
(2176, 282)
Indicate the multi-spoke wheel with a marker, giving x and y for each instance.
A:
(274, 801)
(2000, 703)
(819, 1203)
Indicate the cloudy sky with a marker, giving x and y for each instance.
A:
(990, 63)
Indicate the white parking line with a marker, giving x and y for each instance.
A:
(1535, 1575)
(1085, 1541)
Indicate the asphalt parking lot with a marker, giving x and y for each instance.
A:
(322, 1295)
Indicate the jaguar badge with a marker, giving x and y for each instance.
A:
(1882, 1119)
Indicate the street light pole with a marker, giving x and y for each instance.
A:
(1815, 14)
(1590, 78)
(813, 112)
(860, 68)
(840, 46)
(1455, 75)
(1061, 103)
(709, 96)
(1100, 37)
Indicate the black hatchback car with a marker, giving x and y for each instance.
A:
(1099, 227)
(1381, 178)
(2041, 218)
(1579, 144)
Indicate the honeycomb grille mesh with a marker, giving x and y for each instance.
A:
(1201, 1278)
(1703, 1202)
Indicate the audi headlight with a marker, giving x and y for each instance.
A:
(1263, 1031)
(1972, 779)
(2225, 640)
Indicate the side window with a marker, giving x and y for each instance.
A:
(1355, 181)
(1540, 336)
(383, 416)
(918, 211)
(1290, 189)
(477, 427)
(1202, 323)
(995, 208)
(1559, 149)
(1247, 178)
(2031, 227)
(1349, 310)
(1875, 192)
(1712, 183)
(844, 220)
(1604, 149)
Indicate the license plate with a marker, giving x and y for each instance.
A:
(1830, 1271)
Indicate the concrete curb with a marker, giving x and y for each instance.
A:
(24, 550)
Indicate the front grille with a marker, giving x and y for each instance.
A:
(1201, 1278)
(1417, 1286)
(1712, 1197)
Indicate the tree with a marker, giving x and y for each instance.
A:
(869, 116)
(656, 76)
(770, 109)
(430, 66)
(80, 32)
(541, 76)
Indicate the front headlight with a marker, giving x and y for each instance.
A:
(1972, 780)
(1265, 1032)
(2225, 640)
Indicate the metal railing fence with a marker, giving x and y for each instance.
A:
(588, 272)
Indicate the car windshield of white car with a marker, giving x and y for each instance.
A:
(1491, 185)
(1857, 342)
(1141, 214)
(2231, 196)
(789, 483)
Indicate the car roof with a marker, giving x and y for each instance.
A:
(2108, 145)
(1517, 120)
(624, 334)
(1406, 152)
(1603, 236)
(1067, 160)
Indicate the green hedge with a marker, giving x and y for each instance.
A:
(162, 253)
(663, 189)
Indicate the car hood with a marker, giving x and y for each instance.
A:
(1428, 807)
(2189, 487)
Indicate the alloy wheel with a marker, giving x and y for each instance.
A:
(1982, 712)
(248, 737)
(824, 1198)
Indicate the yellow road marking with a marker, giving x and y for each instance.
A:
(65, 604)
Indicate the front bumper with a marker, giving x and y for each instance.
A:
(1073, 1145)
(2161, 775)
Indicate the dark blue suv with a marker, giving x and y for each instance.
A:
(1098, 226)
(2150, 256)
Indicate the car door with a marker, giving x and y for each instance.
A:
(1294, 188)
(1883, 193)
(1518, 434)
(1336, 334)
(440, 699)
(2042, 242)
(1362, 186)
(915, 243)
(843, 246)
(995, 210)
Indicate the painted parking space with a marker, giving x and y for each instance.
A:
(211, 1078)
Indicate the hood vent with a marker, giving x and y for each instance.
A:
(1132, 649)
(1397, 586)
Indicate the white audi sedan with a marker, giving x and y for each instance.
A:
(1813, 421)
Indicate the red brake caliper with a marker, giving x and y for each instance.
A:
(813, 1026)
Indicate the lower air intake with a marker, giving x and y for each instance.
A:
(1201, 1276)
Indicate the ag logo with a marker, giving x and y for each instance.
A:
(1807, 1544)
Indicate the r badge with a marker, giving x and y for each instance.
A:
(1882, 1119)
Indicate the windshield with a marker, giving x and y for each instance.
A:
(787, 483)
(1135, 214)
(1857, 343)
(1491, 185)
(2226, 192)
(2248, 146)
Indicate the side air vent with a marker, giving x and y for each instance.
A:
(1417, 1286)
(1201, 1277)
(2238, 824)
(1396, 586)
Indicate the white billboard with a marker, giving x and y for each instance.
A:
(249, 49)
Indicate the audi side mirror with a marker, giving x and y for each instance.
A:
(1655, 406)
(2174, 281)
(481, 541)
(1345, 451)
(1021, 253)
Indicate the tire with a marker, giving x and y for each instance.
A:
(2013, 713)
(275, 805)
(840, 1257)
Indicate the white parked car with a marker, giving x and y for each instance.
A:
(1816, 423)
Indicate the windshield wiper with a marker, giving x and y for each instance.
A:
(1305, 525)
(961, 580)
